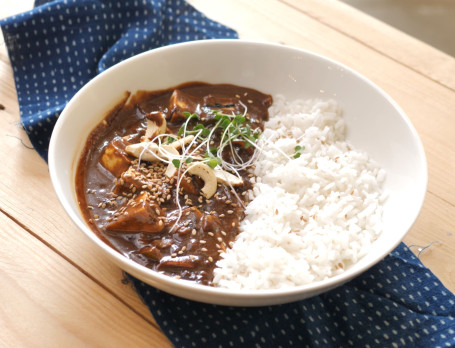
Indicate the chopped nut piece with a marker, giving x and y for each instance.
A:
(207, 175)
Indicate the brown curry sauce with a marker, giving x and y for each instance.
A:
(133, 208)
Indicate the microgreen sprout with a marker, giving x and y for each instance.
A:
(176, 163)
(298, 151)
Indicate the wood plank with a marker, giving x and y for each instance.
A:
(59, 306)
(27, 192)
(381, 37)
(435, 228)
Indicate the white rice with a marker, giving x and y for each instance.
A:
(311, 217)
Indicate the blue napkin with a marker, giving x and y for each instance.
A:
(60, 45)
(397, 303)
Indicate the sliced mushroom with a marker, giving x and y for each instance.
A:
(207, 174)
(224, 177)
(147, 151)
(156, 125)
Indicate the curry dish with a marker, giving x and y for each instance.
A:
(163, 179)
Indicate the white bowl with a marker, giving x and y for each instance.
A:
(375, 124)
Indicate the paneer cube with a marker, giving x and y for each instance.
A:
(115, 159)
(179, 103)
(129, 180)
(141, 216)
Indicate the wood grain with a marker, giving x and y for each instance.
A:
(66, 294)
(58, 305)
(26, 192)
(384, 39)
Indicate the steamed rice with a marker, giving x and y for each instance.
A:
(309, 217)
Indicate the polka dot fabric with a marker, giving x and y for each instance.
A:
(59, 46)
(397, 303)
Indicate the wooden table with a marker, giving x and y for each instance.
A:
(57, 291)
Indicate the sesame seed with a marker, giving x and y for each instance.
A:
(174, 255)
(210, 259)
(202, 241)
(193, 232)
(210, 234)
(230, 212)
(204, 249)
(223, 233)
(220, 239)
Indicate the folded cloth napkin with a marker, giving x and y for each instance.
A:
(60, 45)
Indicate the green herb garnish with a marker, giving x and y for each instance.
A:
(298, 151)
(176, 163)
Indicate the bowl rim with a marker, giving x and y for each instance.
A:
(161, 281)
